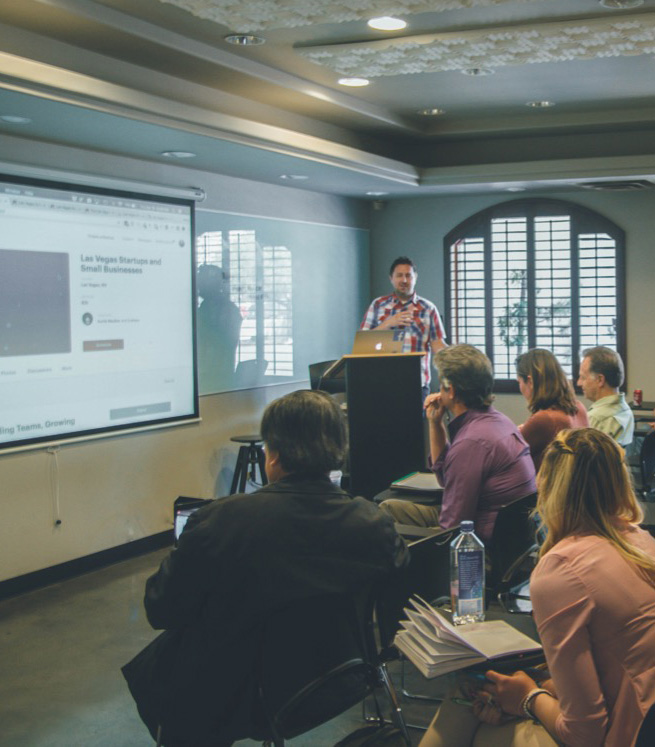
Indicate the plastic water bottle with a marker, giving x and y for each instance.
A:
(335, 477)
(467, 576)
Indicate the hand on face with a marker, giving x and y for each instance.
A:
(434, 407)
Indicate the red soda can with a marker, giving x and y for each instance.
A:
(637, 397)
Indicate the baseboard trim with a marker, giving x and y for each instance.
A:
(63, 571)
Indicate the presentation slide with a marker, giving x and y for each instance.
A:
(97, 303)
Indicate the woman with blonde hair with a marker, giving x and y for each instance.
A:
(593, 595)
(551, 400)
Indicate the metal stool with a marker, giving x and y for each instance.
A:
(249, 458)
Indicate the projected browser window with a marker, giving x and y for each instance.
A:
(96, 312)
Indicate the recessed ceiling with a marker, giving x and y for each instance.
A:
(143, 78)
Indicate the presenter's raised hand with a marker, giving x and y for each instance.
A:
(401, 319)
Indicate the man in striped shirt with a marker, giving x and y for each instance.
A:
(405, 310)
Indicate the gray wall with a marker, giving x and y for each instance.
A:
(115, 490)
(417, 227)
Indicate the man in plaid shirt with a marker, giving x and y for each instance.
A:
(404, 309)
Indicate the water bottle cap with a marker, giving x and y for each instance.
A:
(466, 526)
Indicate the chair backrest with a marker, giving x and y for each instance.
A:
(317, 660)
(316, 381)
(647, 462)
(427, 574)
(512, 537)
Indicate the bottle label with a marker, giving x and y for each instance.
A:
(471, 575)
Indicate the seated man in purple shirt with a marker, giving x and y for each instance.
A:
(482, 461)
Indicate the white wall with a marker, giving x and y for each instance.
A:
(115, 490)
(417, 227)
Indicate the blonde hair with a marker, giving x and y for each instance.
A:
(584, 487)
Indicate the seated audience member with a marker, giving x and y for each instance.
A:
(601, 375)
(241, 558)
(593, 594)
(485, 464)
(550, 398)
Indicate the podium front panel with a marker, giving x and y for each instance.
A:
(385, 420)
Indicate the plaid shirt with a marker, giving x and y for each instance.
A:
(425, 327)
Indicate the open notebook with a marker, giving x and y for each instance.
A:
(435, 646)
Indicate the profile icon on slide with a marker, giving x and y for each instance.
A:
(87, 318)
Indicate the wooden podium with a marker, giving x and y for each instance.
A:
(385, 418)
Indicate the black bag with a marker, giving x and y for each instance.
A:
(372, 736)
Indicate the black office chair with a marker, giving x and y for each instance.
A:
(646, 736)
(330, 385)
(512, 546)
(647, 465)
(318, 658)
(428, 576)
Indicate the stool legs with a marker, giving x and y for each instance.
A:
(249, 458)
(262, 464)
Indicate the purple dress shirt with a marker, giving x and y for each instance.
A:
(486, 464)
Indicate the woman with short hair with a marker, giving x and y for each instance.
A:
(551, 400)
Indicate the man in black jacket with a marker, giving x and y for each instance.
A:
(244, 557)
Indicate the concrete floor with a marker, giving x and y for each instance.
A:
(61, 649)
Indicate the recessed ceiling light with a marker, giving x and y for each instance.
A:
(477, 71)
(294, 177)
(376, 194)
(387, 23)
(621, 4)
(540, 104)
(178, 154)
(14, 119)
(431, 112)
(516, 189)
(244, 40)
(353, 82)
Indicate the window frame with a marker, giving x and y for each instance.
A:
(583, 220)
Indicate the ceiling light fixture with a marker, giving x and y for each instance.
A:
(540, 104)
(294, 177)
(376, 194)
(14, 119)
(353, 82)
(432, 111)
(477, 71)
(621, 4)
(178, 154)
(244, 40)
(387, 23)
(516, 189)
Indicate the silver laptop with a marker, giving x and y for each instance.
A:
(372, 341)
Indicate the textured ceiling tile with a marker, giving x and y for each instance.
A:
(246, 16)
(490, 48)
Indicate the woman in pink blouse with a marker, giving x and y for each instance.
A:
(593, 594)
(551, 401)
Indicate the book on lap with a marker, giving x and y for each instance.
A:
(435, 646)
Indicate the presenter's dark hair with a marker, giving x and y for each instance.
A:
(607, 362)
(307, 430)
(402, 261)
(470, 372)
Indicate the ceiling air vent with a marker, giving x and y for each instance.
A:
(622, 186)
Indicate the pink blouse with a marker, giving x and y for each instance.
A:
(595, 614)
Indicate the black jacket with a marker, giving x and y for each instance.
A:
(239, 559)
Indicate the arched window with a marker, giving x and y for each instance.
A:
(535, 273)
